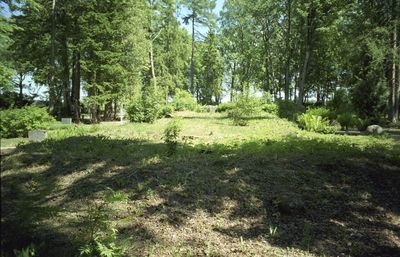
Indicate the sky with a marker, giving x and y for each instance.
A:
(203, 30)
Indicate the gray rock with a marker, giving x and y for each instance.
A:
(374, 129)
(37, 135)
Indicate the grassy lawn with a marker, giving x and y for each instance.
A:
(268, 189)
(12, 142)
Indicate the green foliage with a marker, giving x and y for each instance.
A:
(17, 122)
(290, 110)
(171, 135)
(211, 71)
(97, 230)
(271, 108)
(135, 111)
(245, 108)
(225, 107)
(325, 113)
(351, 120)
(370, 99)
(341, 101)
(167, 110)
(315, 123)
(203, 108)
(147, 109)
(29, 251)
(184, 101)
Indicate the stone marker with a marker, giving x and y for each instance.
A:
(121, 114)
(37, 135)
(66, 120)
(212, 109)
(374, 129)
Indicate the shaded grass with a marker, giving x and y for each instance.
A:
(217, 196)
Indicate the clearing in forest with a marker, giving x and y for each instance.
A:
(268, 189)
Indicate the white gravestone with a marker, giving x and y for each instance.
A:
(37, 135)
(121, 114)
(212, 109)
(66, 120)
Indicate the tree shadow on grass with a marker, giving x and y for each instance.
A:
(327, 197)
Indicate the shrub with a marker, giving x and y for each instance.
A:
(97, 230)
(151, 106)
(171, 135)
(166, 111)
(325, 113)
(225, 107)
(290, 110)
(315, 123)
(350, 120)
(135, 111)
(202, 108)
(341, 101)
(270, 108)
(17, 122)
(244, 109)
(145, 109)
(184, 101)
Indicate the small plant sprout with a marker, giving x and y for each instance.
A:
(242, 246)
(272, 230)
(171, 135)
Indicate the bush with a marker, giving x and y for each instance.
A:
(341, 101)
(145, 109)
(135, 111)
(97, 230)
(270, 108)
(202, 108)
(166, 111)
(315, 123)
(184, 101)
(17, 122)
(225, 107)
(171, 135)
(244, 109)
(290, 110)
(323, 112)
(350, 120)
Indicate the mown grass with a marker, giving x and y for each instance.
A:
(267, 189)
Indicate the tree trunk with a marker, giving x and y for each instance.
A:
(310, 29)
(66, 76)
(394, 87)
(288, 50)
(153, 72)
(303, 75)
(52, 82)
(21, 88)
(76, 86)
(108, 111)
(191, 85)
(233, 80)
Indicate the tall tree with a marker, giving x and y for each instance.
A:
(200, 12)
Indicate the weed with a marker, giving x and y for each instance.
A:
(97, 229)
(272, 230)
(29, 251)
(242, 246)
(171, 135)
(209, 249)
